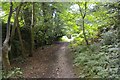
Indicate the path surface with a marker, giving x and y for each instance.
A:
(53, 61)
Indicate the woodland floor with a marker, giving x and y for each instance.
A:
(54, 61)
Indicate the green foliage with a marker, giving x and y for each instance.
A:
(47, 28)
(15, 72)
(109, 37)
(99, 60)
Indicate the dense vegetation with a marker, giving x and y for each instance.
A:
(93, 27)
(101, 58)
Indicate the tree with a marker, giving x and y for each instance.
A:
(6, 47)
(16, 25)
(83, 15)
(32, 31)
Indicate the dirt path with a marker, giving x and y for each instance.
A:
(64, 64)
(54, 61)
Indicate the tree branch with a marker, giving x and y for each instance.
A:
(85, 10)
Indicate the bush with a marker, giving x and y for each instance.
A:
(108, 37)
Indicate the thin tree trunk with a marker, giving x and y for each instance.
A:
(15, 21)
(83, 14)
(5, 48)
(20, 38)
(84, 34)
(32, 31)
(16, 26)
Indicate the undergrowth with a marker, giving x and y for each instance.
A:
(98, 60)
(13, 73)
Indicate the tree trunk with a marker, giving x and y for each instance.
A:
(32, 32)
(18, 30)
(20, 39)
(83, 14)
(15, 21)
(84, 34)
(5, 48)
